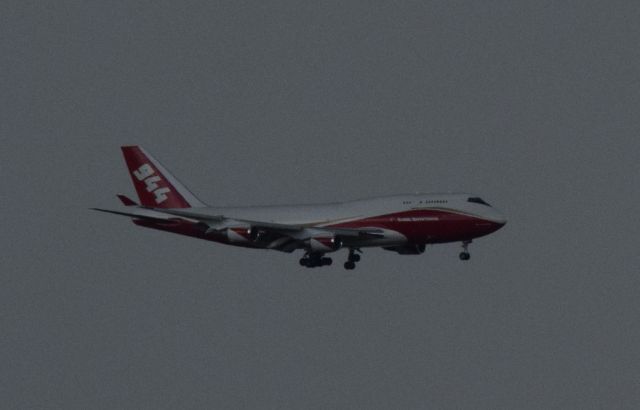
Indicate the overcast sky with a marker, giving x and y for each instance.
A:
(532, 105)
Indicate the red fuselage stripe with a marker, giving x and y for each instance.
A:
(429, 225)
(419, 226)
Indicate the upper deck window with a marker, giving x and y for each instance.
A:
(477, 201)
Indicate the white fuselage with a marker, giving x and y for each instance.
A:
(330, 213)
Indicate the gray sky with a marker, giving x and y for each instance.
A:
(532, 105)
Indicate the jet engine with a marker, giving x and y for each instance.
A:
(238, 234)
(407, 249)
(325, 243)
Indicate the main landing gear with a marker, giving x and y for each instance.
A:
(313, 260)
(465, 255)
(350, 264)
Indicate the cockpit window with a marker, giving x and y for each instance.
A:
(477, 201)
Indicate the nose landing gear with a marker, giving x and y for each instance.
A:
(465, 255)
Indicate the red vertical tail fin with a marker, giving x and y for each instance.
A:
(155, 185)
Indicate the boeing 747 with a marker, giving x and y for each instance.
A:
(401, 223)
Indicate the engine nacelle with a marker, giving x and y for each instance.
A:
(238, 234)
(322, 244)
(407, 249)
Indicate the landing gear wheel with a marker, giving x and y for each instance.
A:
(349, 265)
(353, 256)
(304, 261)
(465, 255)
(326, 261)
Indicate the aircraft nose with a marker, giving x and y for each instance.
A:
(496, 224)
(499, 219)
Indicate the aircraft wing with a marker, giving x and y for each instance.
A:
(283, 237)
(191, 215)
(285, 229)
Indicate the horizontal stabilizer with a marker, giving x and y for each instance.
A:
(140, 213)
(126, 201)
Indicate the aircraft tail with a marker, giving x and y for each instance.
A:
(155, 185)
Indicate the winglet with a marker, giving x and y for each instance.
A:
(126, 201)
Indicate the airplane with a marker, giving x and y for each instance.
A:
(404, 224)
